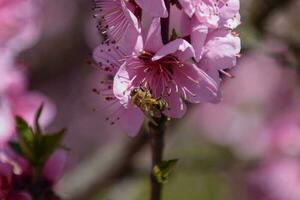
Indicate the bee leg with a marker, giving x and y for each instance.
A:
(152, 120)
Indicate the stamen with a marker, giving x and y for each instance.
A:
(111, 18)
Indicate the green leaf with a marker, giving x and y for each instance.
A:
(32, 144)
(36, 119)
(163, 169)
(48, 144)
(26, 137)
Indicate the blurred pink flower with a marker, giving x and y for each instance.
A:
(7, 123)
(7, 190)
(276, 180)
(245, 118)
(19, 24)
(14, 100)
(284, 134)
(54, 167)
(15, 172)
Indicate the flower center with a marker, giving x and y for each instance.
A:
(157, 76)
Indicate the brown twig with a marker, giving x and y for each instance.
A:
(165, 22)
(156, 134)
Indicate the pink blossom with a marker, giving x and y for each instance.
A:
(53, 168)
(205, 17)
(16, 173)
(51, 171)
(19, 24)
(211, 12)
(166, 71)
(276, 180)
(284, 134)
(247, 120)
(7, 190)
(186, 68)
(14, 100)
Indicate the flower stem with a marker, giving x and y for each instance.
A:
(165, 23)
(156, 133)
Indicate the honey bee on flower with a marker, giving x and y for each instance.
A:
(152, 107)
(153, 76)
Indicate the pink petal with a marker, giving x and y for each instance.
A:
(229, 13)
(230, 9)
(132, 40)
(198, 37)
(54, 166)
(212, 72)
(231, 23)
(131, 120)
(122, 84)
(206, 15)
(118, 22)
(25, 105)
(180, 22)
(7, 123)
(179, 47)
(130, 16)
(222, 49)
(176, 107)
(12, 80)
(6, 172)
(19, 22)
(19, 164)
(199, 87)
(188, 7)
(156, 8)
(108, 57)
(153, 40)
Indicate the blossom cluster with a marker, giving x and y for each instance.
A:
(20, 28)
(176, 50)
(16, 176)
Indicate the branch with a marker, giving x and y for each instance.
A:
(156, 133)
(165, 23)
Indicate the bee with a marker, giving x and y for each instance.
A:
(152, 107)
